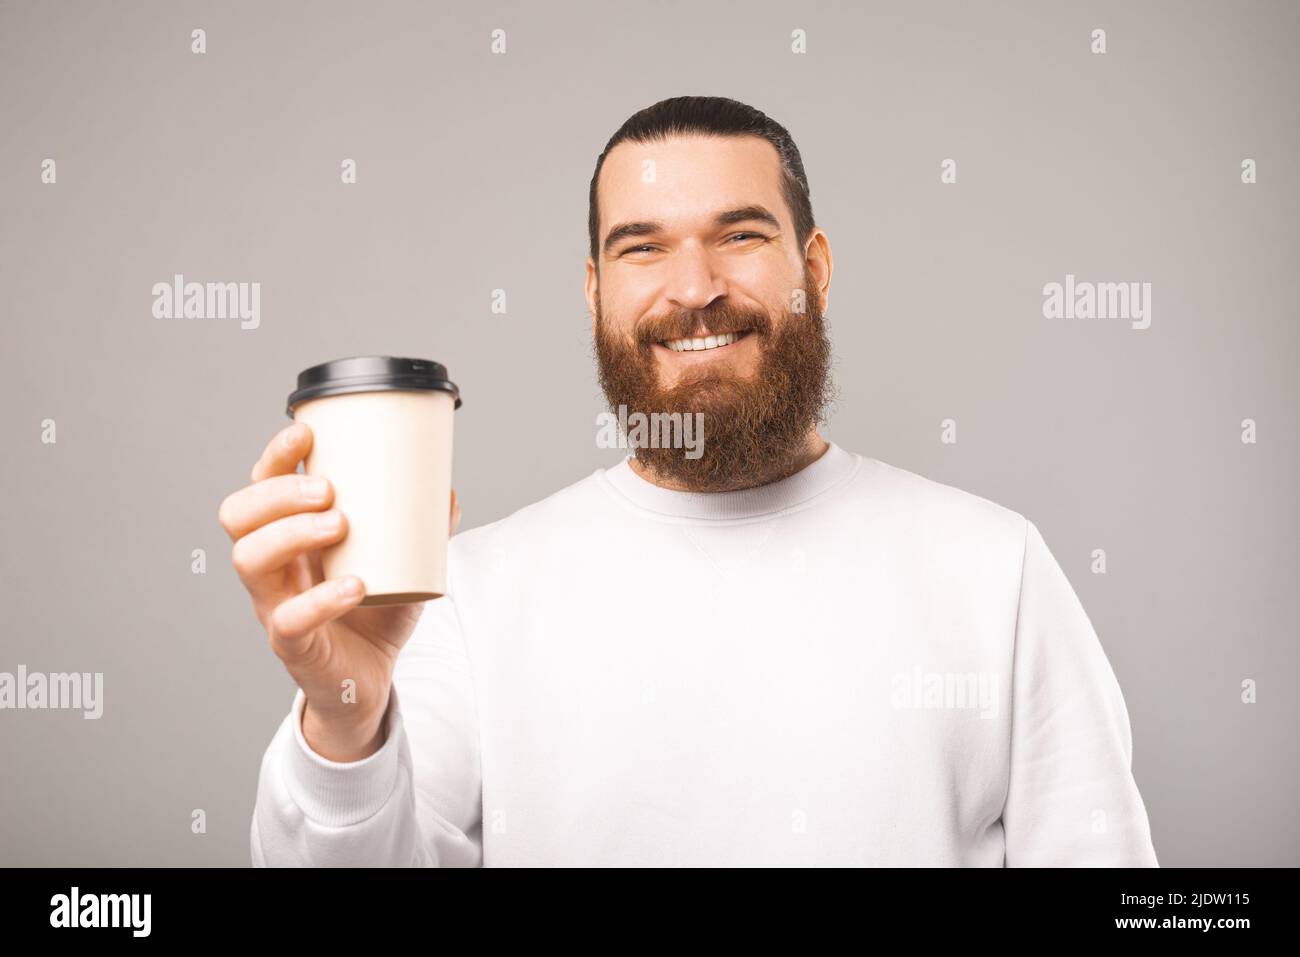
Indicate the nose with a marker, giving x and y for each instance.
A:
(694, 282)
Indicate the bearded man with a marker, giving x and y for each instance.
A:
(771, 651)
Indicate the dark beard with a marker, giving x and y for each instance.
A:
(755, 429)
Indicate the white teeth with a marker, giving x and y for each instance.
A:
(697, 345)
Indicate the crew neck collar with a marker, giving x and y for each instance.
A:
(833, 467)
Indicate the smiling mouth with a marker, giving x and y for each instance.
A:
(705, 343)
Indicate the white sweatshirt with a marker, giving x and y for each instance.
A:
(852, 666)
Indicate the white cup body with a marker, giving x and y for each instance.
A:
(388, 456)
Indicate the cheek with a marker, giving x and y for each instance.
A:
(780, 297)
(773, 289)
(619, 313)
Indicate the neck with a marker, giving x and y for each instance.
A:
(813, 448)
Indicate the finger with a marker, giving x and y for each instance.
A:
(282, 454)
(455, 513)
(268, 549)
(299, 616)
(255, 505)
(316, 565)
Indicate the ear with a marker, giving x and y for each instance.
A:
(591, 292)
(820, 262)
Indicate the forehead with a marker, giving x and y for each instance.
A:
(685, 178)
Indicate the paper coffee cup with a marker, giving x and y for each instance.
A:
(382, 435)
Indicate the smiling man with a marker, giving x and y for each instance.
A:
(713, 307)
(774, 652)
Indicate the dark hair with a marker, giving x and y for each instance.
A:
(717, 116)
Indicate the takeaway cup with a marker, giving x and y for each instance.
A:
(382, 435)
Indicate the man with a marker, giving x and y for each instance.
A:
(771, 650)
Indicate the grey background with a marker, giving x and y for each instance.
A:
(473, 170)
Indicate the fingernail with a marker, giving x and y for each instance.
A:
(350, 588)
(327, 521)
(291, 436)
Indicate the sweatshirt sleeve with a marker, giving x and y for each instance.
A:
(416, 802)
(1072, 800)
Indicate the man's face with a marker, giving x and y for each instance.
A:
(697, 242)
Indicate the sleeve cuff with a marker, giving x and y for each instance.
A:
(341, 793)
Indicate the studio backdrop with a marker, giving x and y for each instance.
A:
(411, 179)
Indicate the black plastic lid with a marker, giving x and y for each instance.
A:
(371, 374)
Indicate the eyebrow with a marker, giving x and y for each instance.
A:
(729, 217)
